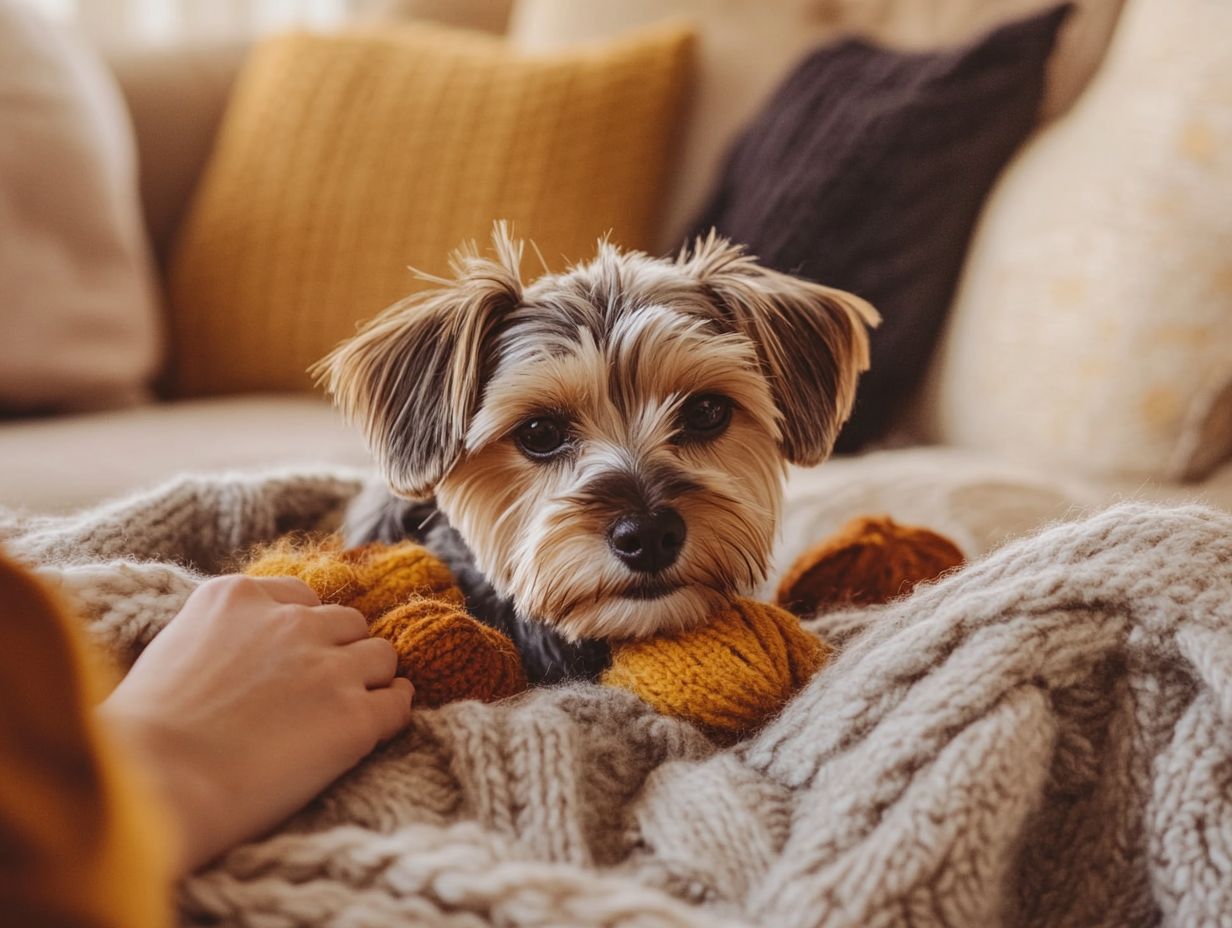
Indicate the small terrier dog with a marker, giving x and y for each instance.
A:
(599, 454)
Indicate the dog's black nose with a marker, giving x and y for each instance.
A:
(647, 542)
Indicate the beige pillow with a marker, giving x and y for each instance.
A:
(746, 47)
(77, 305)
(1093, 328)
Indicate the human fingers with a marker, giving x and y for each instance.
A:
(391, 707)
(376, 659)
(340, 624)
(288, 590)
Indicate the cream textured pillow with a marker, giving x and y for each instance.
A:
(1093, 328)
(746, 47)
(77, 306)
(342, 159)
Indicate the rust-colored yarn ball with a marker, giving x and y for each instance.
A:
(870, 560)
(449, 655)
(727, 676)
(373, 578)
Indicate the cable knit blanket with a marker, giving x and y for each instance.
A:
(1042, 739)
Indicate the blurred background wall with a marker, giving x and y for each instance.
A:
(171, 20)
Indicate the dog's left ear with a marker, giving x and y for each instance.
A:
(413, 376)
(812, 340)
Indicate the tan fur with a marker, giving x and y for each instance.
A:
(415, 429)
(552, 557)
(616, 347)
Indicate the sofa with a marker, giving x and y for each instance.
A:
(981, 493)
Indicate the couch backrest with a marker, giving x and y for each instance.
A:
(176, 95)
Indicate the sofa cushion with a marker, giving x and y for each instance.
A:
(78, 310)
(1093, 329)
(343, 159)
(866, 171)
(67, 462)
(746, 47)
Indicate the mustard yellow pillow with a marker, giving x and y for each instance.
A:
(344, 159)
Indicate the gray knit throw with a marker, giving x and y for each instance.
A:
(1042, 739)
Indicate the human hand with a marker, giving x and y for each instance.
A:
(251, 700)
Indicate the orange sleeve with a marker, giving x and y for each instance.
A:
(81, 842)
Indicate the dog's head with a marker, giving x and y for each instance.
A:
(611, 441)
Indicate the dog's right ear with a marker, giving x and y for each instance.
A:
(412, 378)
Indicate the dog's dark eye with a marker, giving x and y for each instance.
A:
(705, 417)
(541, 438)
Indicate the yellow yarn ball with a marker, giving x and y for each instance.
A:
(728, 676)
(449, 655)
(314, 562)
(389, 575)
(372, 578)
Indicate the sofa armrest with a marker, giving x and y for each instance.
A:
(176, 96)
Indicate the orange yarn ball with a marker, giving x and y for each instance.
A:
(869, 560)
(728, 676)
(449, 655)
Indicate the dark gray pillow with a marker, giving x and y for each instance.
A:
(866, 171)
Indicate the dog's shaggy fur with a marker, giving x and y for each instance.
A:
(612, 353)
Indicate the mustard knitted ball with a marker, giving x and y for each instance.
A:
(408, 597)
(727, 676)
(372, 578)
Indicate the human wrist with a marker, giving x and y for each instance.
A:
(189, 801)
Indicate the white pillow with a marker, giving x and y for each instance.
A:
(1093, 328)
(78, 313)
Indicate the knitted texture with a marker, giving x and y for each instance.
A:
(343, 159)
(728, 676)
(866, 171)
(1043, 738)
(870, 560)
(371, 578)
(409, 598)
(450, 655)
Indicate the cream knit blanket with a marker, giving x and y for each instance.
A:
(1042, 739)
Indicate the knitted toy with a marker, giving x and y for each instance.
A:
(727, 676)
(409, 598)
(870, 560)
